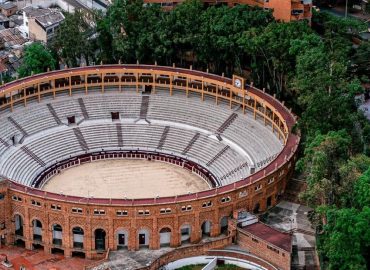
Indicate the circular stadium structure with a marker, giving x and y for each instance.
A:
(132, 156)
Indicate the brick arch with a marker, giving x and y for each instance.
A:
(166, 226)
(37, 218)
(75, 226)
(19, 214)
(51, 224)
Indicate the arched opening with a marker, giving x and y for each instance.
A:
(100, 239)
(185, 231)
(224, 225)
(78, 237)
(18, 225)
(143, 235)
(269, 201)
(256, 208)
(37, 230)
(206, 228)
(57, 234)
(165, 237)
(122, 239)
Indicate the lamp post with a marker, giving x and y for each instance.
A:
(346, 10)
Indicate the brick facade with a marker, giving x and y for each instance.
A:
(264, 249)
(24, 205)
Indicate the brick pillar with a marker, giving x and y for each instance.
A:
(175, 233)
(133, 243)
(215, 225)
(154, 236)
(111, 235)
(67, 231)
(27, 234)
(196, 232)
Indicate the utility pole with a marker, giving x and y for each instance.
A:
(346, 10)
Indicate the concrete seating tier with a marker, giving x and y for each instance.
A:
(183, 126)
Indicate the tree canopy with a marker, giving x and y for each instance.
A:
(37, 59)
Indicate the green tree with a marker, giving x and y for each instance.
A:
(74, 39)
(37, 59)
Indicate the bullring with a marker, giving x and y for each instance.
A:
(235, 137)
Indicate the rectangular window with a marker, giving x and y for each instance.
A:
(122, 213)
(77, 210)
(35, 203)
(254, 240)
(99, 212)
(143, 212)
(207, 204)
(165, 210)
(56, 207)
(2, 196)
(186, 208)
(16, 198)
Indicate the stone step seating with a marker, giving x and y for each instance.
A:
(219, 154)
(67, 107)
(253, 138)
(119, 135)
(189, 111)
(228, 160)
(17, 126)
(100, 136)
(144, 107)
(190, 144)
(26, 170)
(7, 130)
(227, 123)
(101, 106)
(163, 137)
(81, 139)
(57, 146)
(33, 156)
(54, 114)
(32, 119)
(83, 108)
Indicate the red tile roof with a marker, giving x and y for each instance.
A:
(270, 235)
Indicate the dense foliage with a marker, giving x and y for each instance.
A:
(317, 71)
(37, 59)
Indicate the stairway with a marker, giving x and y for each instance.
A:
(163, 137)
(33, 156)
(227, 123)
(6, 144)
(219, 154)
(119, 135)
(144, 107)
(18, 126)
(81, 139)
(83, 108)
(54, 114)
(190, 144)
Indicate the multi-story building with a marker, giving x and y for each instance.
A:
(283, 10)
(40, 24)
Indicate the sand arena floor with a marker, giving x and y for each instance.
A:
(125, 178)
